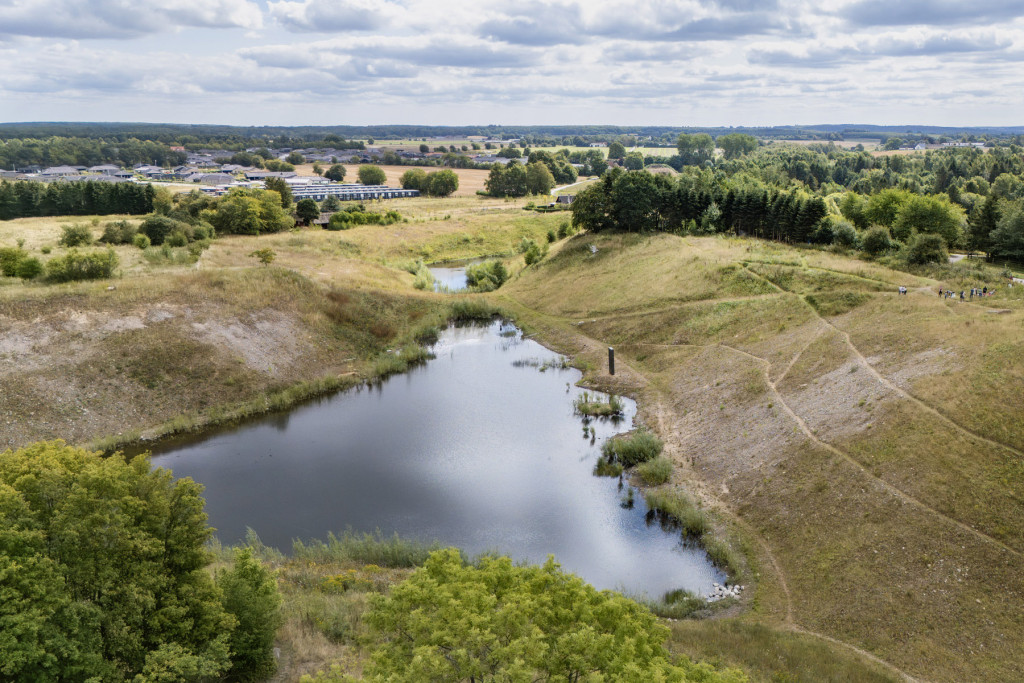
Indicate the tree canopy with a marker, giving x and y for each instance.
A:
(102, 570)
(372, 175)
(452, 622)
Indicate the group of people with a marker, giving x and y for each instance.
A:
(965, 295)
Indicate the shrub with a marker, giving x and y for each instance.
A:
(141, 241)
(552, 236)
(844, 234)
(877, 240)
(77, 235)
(157, 228)
(564, 229)
(532, 251)
(631, 450)
(76, 265)
(251, 596)
(655, 472)
(118, 232)
(10, 257)
(178, 238)
(46, 249)
(486, 276)
(926, 248)
(29, 268)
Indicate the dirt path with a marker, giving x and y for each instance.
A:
(906, 498)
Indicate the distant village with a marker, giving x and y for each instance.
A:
(205, 168)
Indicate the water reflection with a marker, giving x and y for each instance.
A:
(479, 448)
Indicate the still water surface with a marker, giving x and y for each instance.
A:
(452, 277)
(478, 449)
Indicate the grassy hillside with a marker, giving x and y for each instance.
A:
(868, 444)
(864, 448)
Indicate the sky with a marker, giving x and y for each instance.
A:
(529, 62)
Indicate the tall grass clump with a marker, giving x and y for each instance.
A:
(678, 509)
(654, 472)
(396, 362)
(676, 604)
(486, 276)
(591, 405)
(424, 278)
(468, 310)
(365, 548)
(632, 449)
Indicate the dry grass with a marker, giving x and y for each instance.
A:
(470, 179)
(874, 540)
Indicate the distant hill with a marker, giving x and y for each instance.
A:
(176, 132)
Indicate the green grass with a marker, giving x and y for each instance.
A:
(654, 472)
(679, 509)
(633, 449)
(365, 548)
(590, 405)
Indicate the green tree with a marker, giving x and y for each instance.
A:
(332, 203)
(983, 221)
(931, 214)
(497, 621)
(252, 598)
(1008, 237)
(634, 161)
(282, 188)
(372, 175)
(510, 152)
(735, 145)
(592, 209)
(295, 158)
(317, 168)
(336, 173)
(852, 206)
(424, 148)
(307, 210)
(414, 179)
(883, 207)
(246, 211)
(616, 150)
(103, 570)
(877, 240)
(539, 179)
(441, 183)
(695, 149)
(924, 248)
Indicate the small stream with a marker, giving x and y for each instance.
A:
(479, 448)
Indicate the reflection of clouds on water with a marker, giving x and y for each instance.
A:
(466, 449)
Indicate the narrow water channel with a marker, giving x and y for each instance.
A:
(479, 449)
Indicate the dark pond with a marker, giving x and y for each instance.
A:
(479, 448)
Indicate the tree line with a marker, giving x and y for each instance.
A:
(23, 199)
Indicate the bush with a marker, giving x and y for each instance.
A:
(552, 236)
(926, 248)
(251, 596)
(877, 240)
(118, 232)
(486, 276)
(10, 257)
(352, 216)
(633, 449)
(29, 268)
(157, 228)
(676, 507)
(77, 235)
(655, 472)
(532, 251)
(141, 241)
(844, 234)
(564, 229)
(178, 238)
(76, 265)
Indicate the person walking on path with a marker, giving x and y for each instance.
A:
(961, 296)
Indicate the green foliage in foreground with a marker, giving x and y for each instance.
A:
(251, 597)
(103, 571)
(355, 215)
(451, 622)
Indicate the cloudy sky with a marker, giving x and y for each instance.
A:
(627, 62)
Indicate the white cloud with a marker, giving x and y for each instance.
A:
(121, 19)
(331, 16)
